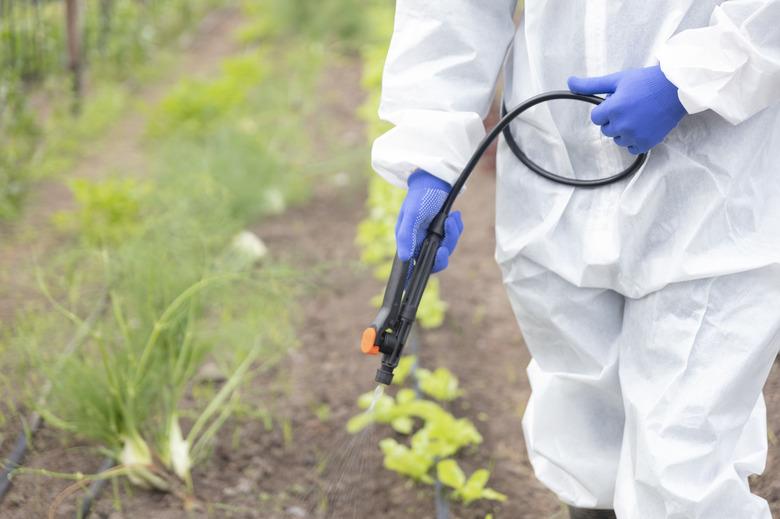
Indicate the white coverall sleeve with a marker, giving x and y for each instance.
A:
(439, 78)
(731, 67)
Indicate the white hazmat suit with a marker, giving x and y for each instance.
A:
(649, 306)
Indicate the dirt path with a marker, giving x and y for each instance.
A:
(120, 150)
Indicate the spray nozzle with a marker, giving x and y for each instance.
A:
(384, 375)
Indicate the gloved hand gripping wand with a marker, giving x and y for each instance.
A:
(389, 331)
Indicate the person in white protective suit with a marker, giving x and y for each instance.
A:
(649, 305)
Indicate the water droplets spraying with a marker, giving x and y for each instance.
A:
(378, 392)
(353, 461)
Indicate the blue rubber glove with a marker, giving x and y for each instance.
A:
(425, 197)
(641, 109)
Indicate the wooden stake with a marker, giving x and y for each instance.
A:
(74, 50)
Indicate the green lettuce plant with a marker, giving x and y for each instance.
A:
(440, 384)
(435, 434)
(465, 489)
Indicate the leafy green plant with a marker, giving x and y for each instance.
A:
(194, 106)
(107, 212)
(409, 462)
(441, 384)
(435, 434)
(467, 489)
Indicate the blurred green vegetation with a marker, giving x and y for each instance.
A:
(197, 106)
(108, 212)
(114, 34)
(19, 135)
(39, 134)
(341, 23)
(131, 288)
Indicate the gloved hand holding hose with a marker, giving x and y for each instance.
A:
(641, 108)
(424, 199)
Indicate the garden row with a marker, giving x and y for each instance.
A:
(61, 56)
(159, 305)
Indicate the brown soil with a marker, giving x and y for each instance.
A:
(286, 471)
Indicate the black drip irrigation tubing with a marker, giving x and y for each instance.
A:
(94, 491)
(442, 503)
(15, 459)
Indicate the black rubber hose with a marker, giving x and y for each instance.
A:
(533, 166)
(503, 127)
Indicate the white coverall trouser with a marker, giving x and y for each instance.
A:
(650, 405)
(650, 306)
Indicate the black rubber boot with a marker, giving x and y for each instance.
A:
(585, 513)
